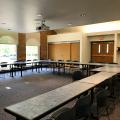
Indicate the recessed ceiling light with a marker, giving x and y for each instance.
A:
(39, 15)
(69, 24)
(8, 88)
(27, 82)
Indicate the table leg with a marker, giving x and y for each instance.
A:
(32, 66)
(11, 70)
(21, 71)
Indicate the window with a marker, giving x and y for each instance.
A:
(99, 48)
(107, 50)
(8, 53)
(32, 52)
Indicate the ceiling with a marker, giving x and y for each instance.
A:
(22, 15)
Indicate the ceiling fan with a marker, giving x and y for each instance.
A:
(43, 26)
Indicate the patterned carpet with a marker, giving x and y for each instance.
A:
(30, 85)
(13, 90)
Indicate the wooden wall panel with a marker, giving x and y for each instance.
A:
(75, 51)
(94, 48)
(111, 48)
(21, 49)
(59, 51)
(104, 59)
(43, 43)
(64, 51)
(97, 59)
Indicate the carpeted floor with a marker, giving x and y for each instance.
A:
(13, 90)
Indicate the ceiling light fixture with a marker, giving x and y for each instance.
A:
(69, 24)
(39, 15)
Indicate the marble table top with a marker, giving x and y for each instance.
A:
(108, 68)
(99, 77)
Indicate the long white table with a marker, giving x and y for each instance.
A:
(98, 78)
(40, 63)
(41, 105)
(111, 68)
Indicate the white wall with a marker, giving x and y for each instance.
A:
(85, 49)
(66, 37)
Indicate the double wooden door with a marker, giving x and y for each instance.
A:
(102, 51)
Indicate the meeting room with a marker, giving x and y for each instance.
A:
(59, 60)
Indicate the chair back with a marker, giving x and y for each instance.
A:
(101, 97)
(3, 64)
(68, 60)
(63, 114)
(77, 75)
(82, 106)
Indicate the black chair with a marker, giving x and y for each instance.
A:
(75, 66)
(77, 75)
(63, 114)
(60, 65)
(82, 107)
(68, 66)
(101, 104)
(115, 85)
(4, 68)
(3, 64)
